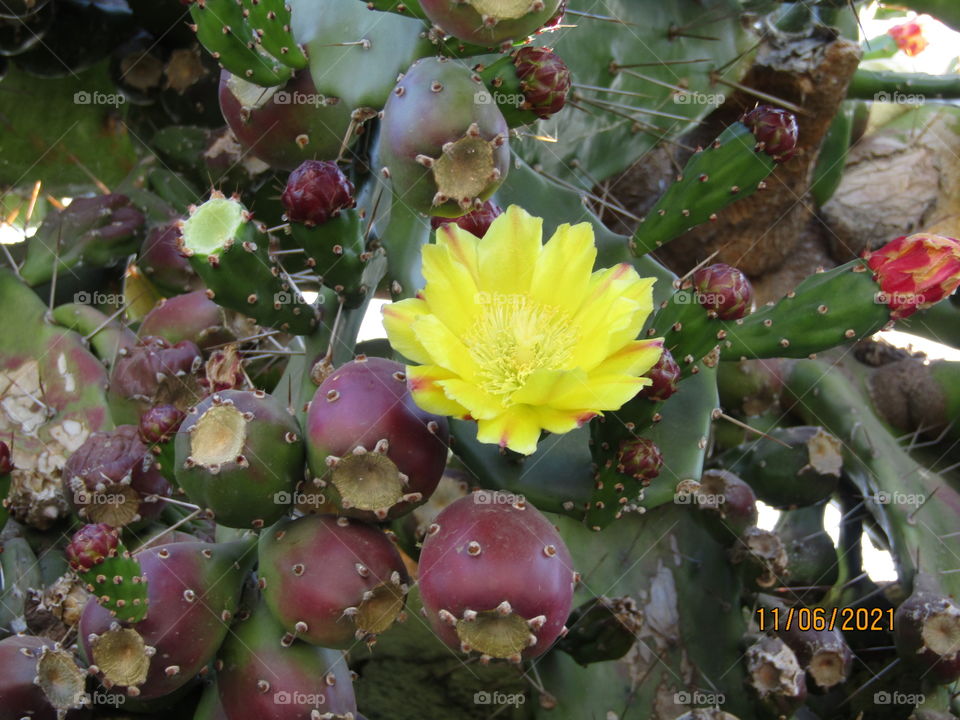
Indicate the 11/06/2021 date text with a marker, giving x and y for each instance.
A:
(844, 619)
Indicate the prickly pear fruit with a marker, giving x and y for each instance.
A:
(193, 317)
(927, 632)
(158, 427)
(665, 377)
(99, 557)
(376, 453)
(331, 581)
(239, 454)
(443, 142)
(287, 125)
(723, 290)
(489, 22)
(726, 503)
(264, 677)
(775, 129)
(162, 262)
(223, 244)
(496, 577)
(824, 654)
(640, 458)
(476, 222)
(153, 372)
(111, 478)
(193, 592)
(315, 192)
(602, 629)
(763, 557)
(774, 674)
(40, 681)
(811, 554)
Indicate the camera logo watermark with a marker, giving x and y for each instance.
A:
(84, 97)
(289, 298)
(484, 97)
(284, 97)
(692, 97)
(900, 98)
(498, 698)
(97, 298)
(695, 497)
(83, 496)
(300, 699)
(702, 298)
(900, 498)
(698, 698)
(496, 497)
(883, 697)
(298, 498)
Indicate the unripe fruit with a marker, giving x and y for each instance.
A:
(544, 80)
(640, 458)
(927, 632)
(665, 377)
(476, 222)
(776, 131)
(160, 423)
(724, 291)
(489, 22)
(315, 192)
(91, 545)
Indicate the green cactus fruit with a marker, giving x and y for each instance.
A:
(811, 554)
(269, 21)
(762, 558)
(490, 22)
(40, 680)
(193, 593)
(261, 677)
(927, 632)
(529, 84)
(443, 142)
(223, 244)
(775, 676)
(240, 455)
(602, 629)
(98, 556)
(728, 169)
(106, 335)
(221, 28)
(95, 231)
(193, 317)
(285, 126)
(789, 467)
(331, 581)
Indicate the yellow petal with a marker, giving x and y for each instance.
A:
(562, 421)
(508, 253)
(423, 381)
(542, 387)
(613, 309)
(481, 404)
(634, 358)
(446, 349)
(450, 290)
(462, 246)
(575, 391)
(398, 319)
(518, 429)
(562, 275)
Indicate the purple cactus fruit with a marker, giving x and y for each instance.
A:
(111, 478)
(6, 459)
(775, 675)
(489, 22)
(775, 130)
(496, 577)
(331, 581)
(723, 290)
(727, 504)
(376, 453)
(159, 424)
(264, 676)
(40, 681)
(315, 192)
(476, 222)
(193, 317)
(665, 379)
(443, 141)
(193, 593)
(640, 458)
(544, 80)
(153, 372)
(91, 545)
(927, 632)
(162, 262)
(286, 125)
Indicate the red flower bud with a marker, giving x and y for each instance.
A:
(775, 130)
(639, 458)
(544, 80)
(91, 545)
(665, 376)
(915, 271)
(476, 221)
(724, 290)
(316, 191)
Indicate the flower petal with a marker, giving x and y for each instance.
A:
(561, 277)
(398, 319)
(462, 246)
(481, 404)
(518, 429)
(450, 290)
(562, 421)
(424, 383)
(508, 253)
(446, 349)
(634, 358)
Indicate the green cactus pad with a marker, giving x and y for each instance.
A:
(118, 585)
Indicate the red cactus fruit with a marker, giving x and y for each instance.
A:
(331, 581)
(376, 453)
(163, 263)
(723, 290)
(315, 192)
(476, 222)
(640, 458)
(192, 316)
(544, 80)
(665, 377)
(776, 131)
(915, 272)
(40, 681)
(496, 577)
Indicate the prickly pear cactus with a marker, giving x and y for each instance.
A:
(374, 360)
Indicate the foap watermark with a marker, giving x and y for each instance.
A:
(97, 298)
(498, 698)
(514, 100)
(699, 698)
(696, 497)
(497, 298)
(285, 97)
(692, 97)
(300, 699)
(899, 98)
(497, 497)
(701, 298)
(898, 299)
(298, 498)
(85, 97)
(899, 498)
(83, 496)
(289, 298)
(883, 697)
(102, 699)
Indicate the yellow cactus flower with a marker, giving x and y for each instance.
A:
(523, 336)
